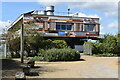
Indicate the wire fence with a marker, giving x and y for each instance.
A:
(87, 49)
(2, 50)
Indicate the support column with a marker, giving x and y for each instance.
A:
(83, 27)
(22, 43)
(74, 28)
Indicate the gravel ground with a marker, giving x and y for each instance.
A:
(89, 67)
(92, 67)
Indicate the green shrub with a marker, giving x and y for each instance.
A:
(48, 44)
(61, 55)
(59, 44)
(108, 44)
(34, 58)
(105, 55)
(8, 56)
(97, 48)
(41, 52)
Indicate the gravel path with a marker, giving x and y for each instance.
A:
(90, 67)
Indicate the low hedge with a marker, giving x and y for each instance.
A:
(105, 55)
(61, 55)
(35, 58)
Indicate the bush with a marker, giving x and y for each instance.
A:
(108, 44)
(61, 55)
(8, 56)
(48, 44)
(105, 55)
(97, 48)
(59, 44)
(35, 58)
(41, 52)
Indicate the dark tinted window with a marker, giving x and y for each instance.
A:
(63, 26)
(57, 27)
(89, 27)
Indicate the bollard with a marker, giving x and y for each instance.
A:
(20, 76)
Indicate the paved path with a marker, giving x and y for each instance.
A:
(92, 67)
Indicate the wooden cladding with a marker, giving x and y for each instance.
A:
(49, 23)
(77, 21)
(97, 27)
(77, 27)
(52, 26)
(46, 25)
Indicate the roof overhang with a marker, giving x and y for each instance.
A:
(16, 22)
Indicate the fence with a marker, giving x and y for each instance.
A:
(87, 48)
(2, 50)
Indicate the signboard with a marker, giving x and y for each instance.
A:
(61, 33)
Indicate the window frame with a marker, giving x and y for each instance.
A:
(65, 25)
(89, 27)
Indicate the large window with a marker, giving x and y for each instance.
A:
(89, 27)
(57, 27)
(63, 26)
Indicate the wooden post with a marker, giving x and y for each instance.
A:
(22, 43)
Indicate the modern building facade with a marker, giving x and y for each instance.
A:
(53, 26)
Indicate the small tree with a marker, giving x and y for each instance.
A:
(117, 47)
(33, 43)
(108, 44)
(14, 47)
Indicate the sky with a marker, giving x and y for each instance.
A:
(106, 11)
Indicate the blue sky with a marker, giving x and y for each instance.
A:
(106, 11)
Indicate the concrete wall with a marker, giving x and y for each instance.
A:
(79, 47)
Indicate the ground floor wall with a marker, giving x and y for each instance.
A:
(74, 42)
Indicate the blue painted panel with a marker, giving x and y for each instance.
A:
(61, 33)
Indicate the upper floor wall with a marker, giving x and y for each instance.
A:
(52, 25)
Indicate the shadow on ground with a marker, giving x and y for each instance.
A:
(10, 67)
(9, 64)
(33, 74)
(82, 60)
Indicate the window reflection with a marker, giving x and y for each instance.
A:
(63, 26)
(89, 27)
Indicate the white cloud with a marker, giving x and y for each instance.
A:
(101, 28)
(60, 0)
(113, 25)
(47, 3)
(113, 14)
(108, 8)
(102, 33)
(77, 0)
(4, 25)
